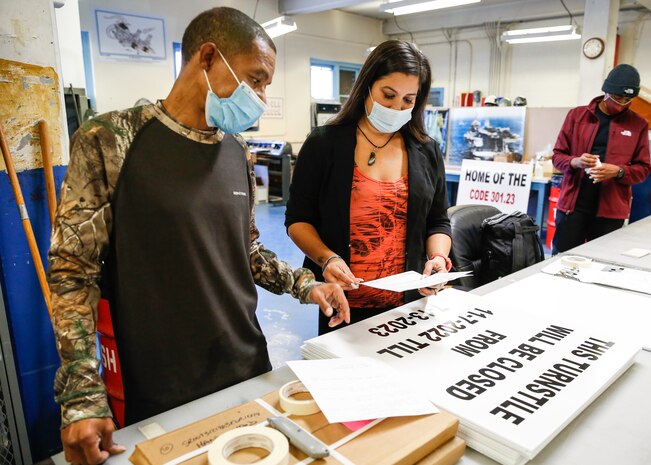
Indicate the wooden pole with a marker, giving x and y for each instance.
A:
(48, 171)
(27, 225)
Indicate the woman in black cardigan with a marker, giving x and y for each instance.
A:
(368, 196)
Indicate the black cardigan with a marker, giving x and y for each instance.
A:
(322, 183)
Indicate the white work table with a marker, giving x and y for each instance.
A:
(614, 429)
(609, 248)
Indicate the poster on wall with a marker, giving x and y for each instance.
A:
(486, 133)
(436, 125)
(135, 36)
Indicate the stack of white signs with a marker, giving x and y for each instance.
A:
(606, 308)
(514, 379)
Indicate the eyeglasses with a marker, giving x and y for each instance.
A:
(620, 99)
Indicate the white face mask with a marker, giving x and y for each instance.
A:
(385, 119)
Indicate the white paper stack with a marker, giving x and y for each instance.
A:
(513, 378)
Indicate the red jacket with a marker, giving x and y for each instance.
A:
(628, 147)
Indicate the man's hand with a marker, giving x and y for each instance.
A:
(603, 172)
(89, 442)
(436, 265)
(586, 160)
(337, 272)
(330, 297)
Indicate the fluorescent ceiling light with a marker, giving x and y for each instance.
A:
(279, 26)
(541, 34)
(406, 7)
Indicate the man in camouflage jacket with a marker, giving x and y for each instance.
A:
(120, 151)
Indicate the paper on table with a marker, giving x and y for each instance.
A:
(359, 388)
(636, 253)
(607, 275)
(412, 280)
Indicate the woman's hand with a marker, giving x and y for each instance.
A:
(436, 265)
(337, 272)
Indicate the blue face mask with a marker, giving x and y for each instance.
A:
(236, 113)
(385, 119)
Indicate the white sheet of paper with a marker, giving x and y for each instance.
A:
(636, 253)
(360, 388)
(413, 280)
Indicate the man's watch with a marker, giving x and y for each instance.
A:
(620, 174)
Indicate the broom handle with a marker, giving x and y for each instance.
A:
(27, 225)
(46, 152)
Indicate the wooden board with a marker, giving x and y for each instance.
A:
(29, 93)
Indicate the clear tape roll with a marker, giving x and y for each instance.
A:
(574, 261)
(250, 437)
(295, 406)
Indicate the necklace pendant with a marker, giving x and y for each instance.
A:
(371, 159)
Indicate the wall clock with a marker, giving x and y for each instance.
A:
(593, 48)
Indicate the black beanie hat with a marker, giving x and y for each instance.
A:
(623, 80)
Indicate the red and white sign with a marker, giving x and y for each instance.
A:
(505, 186)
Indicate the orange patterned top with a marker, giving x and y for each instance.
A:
(378, 232)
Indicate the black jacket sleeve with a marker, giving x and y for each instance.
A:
(437, 217)
(304, 191)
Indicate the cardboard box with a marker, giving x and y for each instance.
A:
(448, 454)
(394, 441)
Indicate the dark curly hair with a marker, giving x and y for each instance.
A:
(392, 56)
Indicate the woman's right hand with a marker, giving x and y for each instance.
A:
(337, 272)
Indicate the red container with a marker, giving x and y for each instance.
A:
(110, 361)
(466, 99)
(551, 215)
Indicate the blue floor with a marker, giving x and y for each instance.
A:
(286, 323)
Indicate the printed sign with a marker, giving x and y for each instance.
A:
(505, 186)
(274, 108)
(515, 379)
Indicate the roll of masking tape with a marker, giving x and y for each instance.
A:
(574, 261)
(295, 406)
(257, 436)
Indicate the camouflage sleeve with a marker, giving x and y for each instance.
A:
(269, 272)
(79, 239)
(276, 275)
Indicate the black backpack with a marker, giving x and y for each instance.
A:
(509, 244)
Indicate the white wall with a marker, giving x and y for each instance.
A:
(333, 35)
(26, 32)
(547, 74)
(635, 45)
(68, 32)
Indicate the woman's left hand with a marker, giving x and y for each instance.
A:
(436, 265)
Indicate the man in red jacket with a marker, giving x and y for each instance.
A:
(602, 150)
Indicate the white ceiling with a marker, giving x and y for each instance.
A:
(372, 8)
(501, 11)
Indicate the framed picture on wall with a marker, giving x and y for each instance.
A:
(135, 36)
(486, 133)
